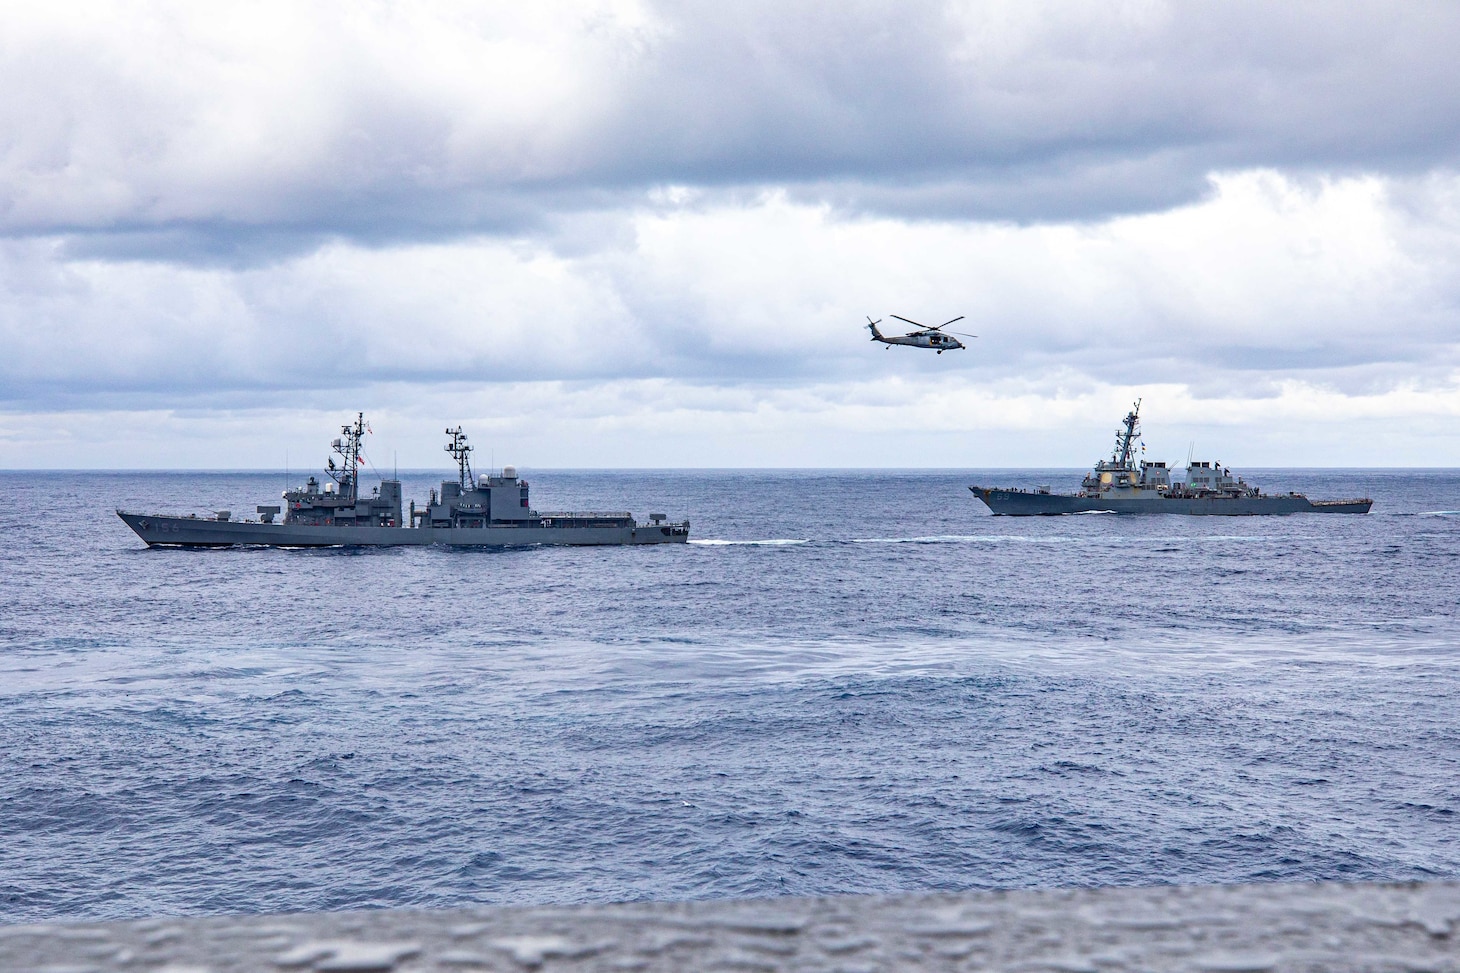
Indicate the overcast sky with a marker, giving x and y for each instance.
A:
(649, 234)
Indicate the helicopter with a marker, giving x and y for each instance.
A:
(925, 338)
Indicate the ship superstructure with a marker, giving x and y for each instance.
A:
(488, 510)
(339, 503)
(1124, 484)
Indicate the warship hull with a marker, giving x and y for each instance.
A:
(1026, 503)
(169, 531)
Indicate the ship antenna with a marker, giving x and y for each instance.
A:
(352, 466)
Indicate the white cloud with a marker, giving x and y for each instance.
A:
(709, 329)
(948, 421)
(659, 224)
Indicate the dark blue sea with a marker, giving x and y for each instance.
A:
(850, 682)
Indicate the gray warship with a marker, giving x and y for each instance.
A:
(470, 511)
(1121, 485)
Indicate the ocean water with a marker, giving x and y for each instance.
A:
(850, 682)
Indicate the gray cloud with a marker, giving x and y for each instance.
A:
(173, 138)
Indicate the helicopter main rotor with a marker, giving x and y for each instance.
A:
(926, 328)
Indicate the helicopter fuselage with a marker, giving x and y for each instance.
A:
(925, 337)
(938, 342)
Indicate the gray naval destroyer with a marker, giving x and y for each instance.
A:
(470, 511)
(1121, 485)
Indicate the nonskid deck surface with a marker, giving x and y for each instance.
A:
(173, 531)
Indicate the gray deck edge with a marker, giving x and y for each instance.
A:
(1324, 926)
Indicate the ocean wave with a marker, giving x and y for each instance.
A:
(962, 539)
(211, 732)
(768, 542)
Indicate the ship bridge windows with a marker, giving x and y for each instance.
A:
(1155, 475)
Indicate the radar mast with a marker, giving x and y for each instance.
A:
(348, 446)
(461, 452)
(1125, 439)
